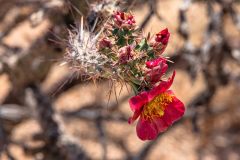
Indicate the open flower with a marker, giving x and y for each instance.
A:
(157, 109)
(157, 68)
(160, 41)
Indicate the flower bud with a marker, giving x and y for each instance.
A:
(157, 68)
(105, 43)
(119, 18)
(125, 20)
(159, 43)
(131, 20)
(125, 54)
(163, 36)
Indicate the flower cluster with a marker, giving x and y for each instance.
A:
(122, 52)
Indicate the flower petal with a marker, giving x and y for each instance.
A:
(134, 117)
(161, 124)
(162, 87)
(153, 63)
(176, 109)
(146, 130)
(137, 102)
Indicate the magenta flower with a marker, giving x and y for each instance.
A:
(157, 109)
(160, 41)
(163, 36)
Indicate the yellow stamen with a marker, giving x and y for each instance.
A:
(157, 106)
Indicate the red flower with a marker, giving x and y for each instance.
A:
(161, 40)
(157, 68)
(122, 19)
(163, 36)
(157, 109)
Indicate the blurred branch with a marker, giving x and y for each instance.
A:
(102, 137)
(57, 144)
(183, 27)
(13, 112)
(152, 4)
(95, 111)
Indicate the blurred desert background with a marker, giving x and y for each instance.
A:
(49, 112)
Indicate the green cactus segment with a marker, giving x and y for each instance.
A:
(120, 52)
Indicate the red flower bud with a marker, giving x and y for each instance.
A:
(159, 43)
(163, 36)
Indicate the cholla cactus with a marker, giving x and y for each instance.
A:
(121, 52)
(82, 52)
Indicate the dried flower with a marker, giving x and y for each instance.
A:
(104, 43)
(125, 54)
(157, 68)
